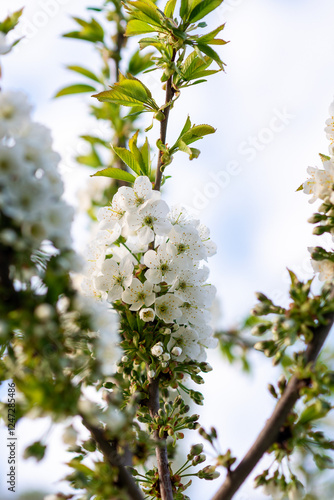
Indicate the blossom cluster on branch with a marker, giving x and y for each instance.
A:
(320, 185)
(148, 259)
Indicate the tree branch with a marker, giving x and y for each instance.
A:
(125, 479)
(270, 432)
(163, 127)
(166, 490)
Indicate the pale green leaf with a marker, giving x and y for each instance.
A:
(136, 27)
(78, 88)
(128, 158)
(84, 71)
(115, 173)
(203, 8)
(170, 7)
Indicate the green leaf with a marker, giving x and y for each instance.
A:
(212, 35)
(197, 132)
(129, 92)
(170, 7)
(91, 160)
(128, 158)
(10, 22)
(78, 88)
(301, 187)
(211, 53)
(139, 62)
(136, 152)
(146, 155)
(194, 66)
(136, 27)
(77, 465)
(85, 72)
(203, 8)
(145, 11)
(186, 127)
(184, 8)
(315, 411)
(95, 140)
(115, 173)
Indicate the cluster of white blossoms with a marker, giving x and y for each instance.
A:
(320, 185)
(30, 185)
(150, 258)
(32, 212)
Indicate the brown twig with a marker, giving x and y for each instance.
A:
(163, 128)
(165, 483)
(270, 432)
(125, 479)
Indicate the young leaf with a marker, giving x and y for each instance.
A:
(139, 62)
(203, 8)
(136, 27)
(145, 11)
(85, 72)
(170, 7)
(129, 92)
(197, 132)
(211, 53)
(128, 158)
(136, 152)
(184, 8)
(78, 88)
(145, 153)
(115, 173)
(211, 36)
(90, 160)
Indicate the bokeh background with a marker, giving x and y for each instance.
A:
(269, 110)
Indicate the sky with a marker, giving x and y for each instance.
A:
(269, 110)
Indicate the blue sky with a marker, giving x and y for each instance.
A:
(269, 110)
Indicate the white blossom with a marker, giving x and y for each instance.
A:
(139, 294)
(115, 278)
(134, 198)
(113, 214)
(157, 349)
(147, 314)
(186, 338)
(167, 307)
(188, 245)
(163, 265)
(14, 112)
(149, 220)
(325, 268)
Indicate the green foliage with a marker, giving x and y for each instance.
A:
(85, 72)
(129, 91)
(115, 173)
(78, 88)
(90, 31)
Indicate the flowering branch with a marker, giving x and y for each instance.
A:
(125, 479)
(270, 433)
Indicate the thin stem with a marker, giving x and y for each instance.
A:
(125, 479)
(165, 482)
(270, 433)
(163, 127)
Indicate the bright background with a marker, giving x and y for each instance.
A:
(279, 63)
